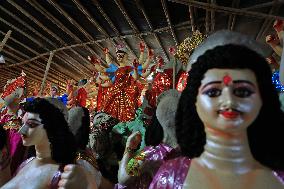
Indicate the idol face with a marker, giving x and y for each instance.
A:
(120, 56)
(53, 92)
(228, 99)
(32, 131)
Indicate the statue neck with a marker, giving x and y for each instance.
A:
(227, 151)
(43, 151)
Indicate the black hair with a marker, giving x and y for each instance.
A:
(82, 134)
(63, 145)
(154, 132)
(264, 134)
(3, 137)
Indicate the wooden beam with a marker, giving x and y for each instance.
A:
(73, 22)
(165, 8)
(213, 2)
(3, 42)
(34, 74)
(182, 26)
(113, 27)
(263, 5)
(57, 22)
(207, 22)
(267, 22)
(191, 17)
(70, 19)
(29, 60)
(226, 10)
(37, 68)
(54, 35)
(23, 33)
(232, 17)
(130, 22)
(140, 5)
(60, 73)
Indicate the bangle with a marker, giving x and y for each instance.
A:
(133, 167)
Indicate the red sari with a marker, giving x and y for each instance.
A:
(121, 100)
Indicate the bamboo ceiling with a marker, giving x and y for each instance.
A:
(74, 29)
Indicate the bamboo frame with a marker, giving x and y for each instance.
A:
(228, 10)
(165, 8)
(106, 17)
(130, 22)
(54, 35)
(192, 19)
(46, 72)
(60, 73)
(164, 29)
(38, 68)
(57, 22)
(267, 22)
(23, 33)
(6, 37)
(140, 5)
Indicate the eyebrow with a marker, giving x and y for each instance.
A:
(33, 119)
(234, 81)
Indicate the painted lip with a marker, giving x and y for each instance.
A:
(229, 114)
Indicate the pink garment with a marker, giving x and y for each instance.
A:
(172, 174)
(155, 156)
(16, 149)
(11, 123)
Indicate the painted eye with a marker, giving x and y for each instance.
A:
(214, 92)
(242, 92)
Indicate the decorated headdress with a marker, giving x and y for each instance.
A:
(185, 49)
(121, 49)
(14, 84)
(224, 37)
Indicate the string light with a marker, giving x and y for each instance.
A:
(185, 49)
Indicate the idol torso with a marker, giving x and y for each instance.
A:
(35, 175)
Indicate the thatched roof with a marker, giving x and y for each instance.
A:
(75, 29)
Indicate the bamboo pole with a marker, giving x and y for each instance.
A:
(46, 72)
(174, 72)
(5, 39)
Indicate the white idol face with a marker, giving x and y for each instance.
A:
(228, 99)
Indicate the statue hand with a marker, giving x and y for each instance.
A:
(94, 60)
(160, 61)
(153, 68)
(272, 40)
(73, 177)
(151, 53)
(271, 60)
(106, 51)
(172, 50)
(134, 140)
(142, 46)
(135, 63)
(278, 25)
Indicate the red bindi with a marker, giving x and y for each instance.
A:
(227, 79)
